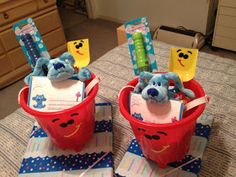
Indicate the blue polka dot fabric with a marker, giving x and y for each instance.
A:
(103, 104)
(135, 148)
(202, 130)
(103, 126)
(66, 163)
(193, 167)
(38, 132)
(100, 158)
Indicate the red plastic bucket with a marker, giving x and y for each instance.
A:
(70, 128)
(174, 138)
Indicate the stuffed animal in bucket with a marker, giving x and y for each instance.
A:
(155, 87)
(58, 69)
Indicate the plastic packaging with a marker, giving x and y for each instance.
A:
(140, 45)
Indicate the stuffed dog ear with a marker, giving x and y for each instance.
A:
(179, 85)
(143, 80)
(40, 69)
(67, 57)
(177, 82)
(145, 76)
(42, 61)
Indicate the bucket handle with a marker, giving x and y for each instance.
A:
(18, 98)
(196, 102)
(123, 88)
(90, 86)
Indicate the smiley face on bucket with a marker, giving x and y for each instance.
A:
(70, 126)
(154, 141)
(163, 147)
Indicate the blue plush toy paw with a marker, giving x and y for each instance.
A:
(189, 93)
(179, 86)
(39, 69)
(84, 74)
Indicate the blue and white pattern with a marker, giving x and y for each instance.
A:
(193, 167)
(65, 163)
(202, 130)
(137, 116)
(43, 160)
(144, 167)
(103, 126)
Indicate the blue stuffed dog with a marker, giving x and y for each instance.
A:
(155, 87)
(58, 69)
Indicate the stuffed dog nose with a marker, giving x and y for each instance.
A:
(58, 65)
(153, 92)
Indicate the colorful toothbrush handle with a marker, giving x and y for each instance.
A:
(30, 47)
(141, 59)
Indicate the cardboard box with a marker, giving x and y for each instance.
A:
(121, 35)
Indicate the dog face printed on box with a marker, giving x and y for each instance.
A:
(39, 99)
(79, 49)
(183, 61)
